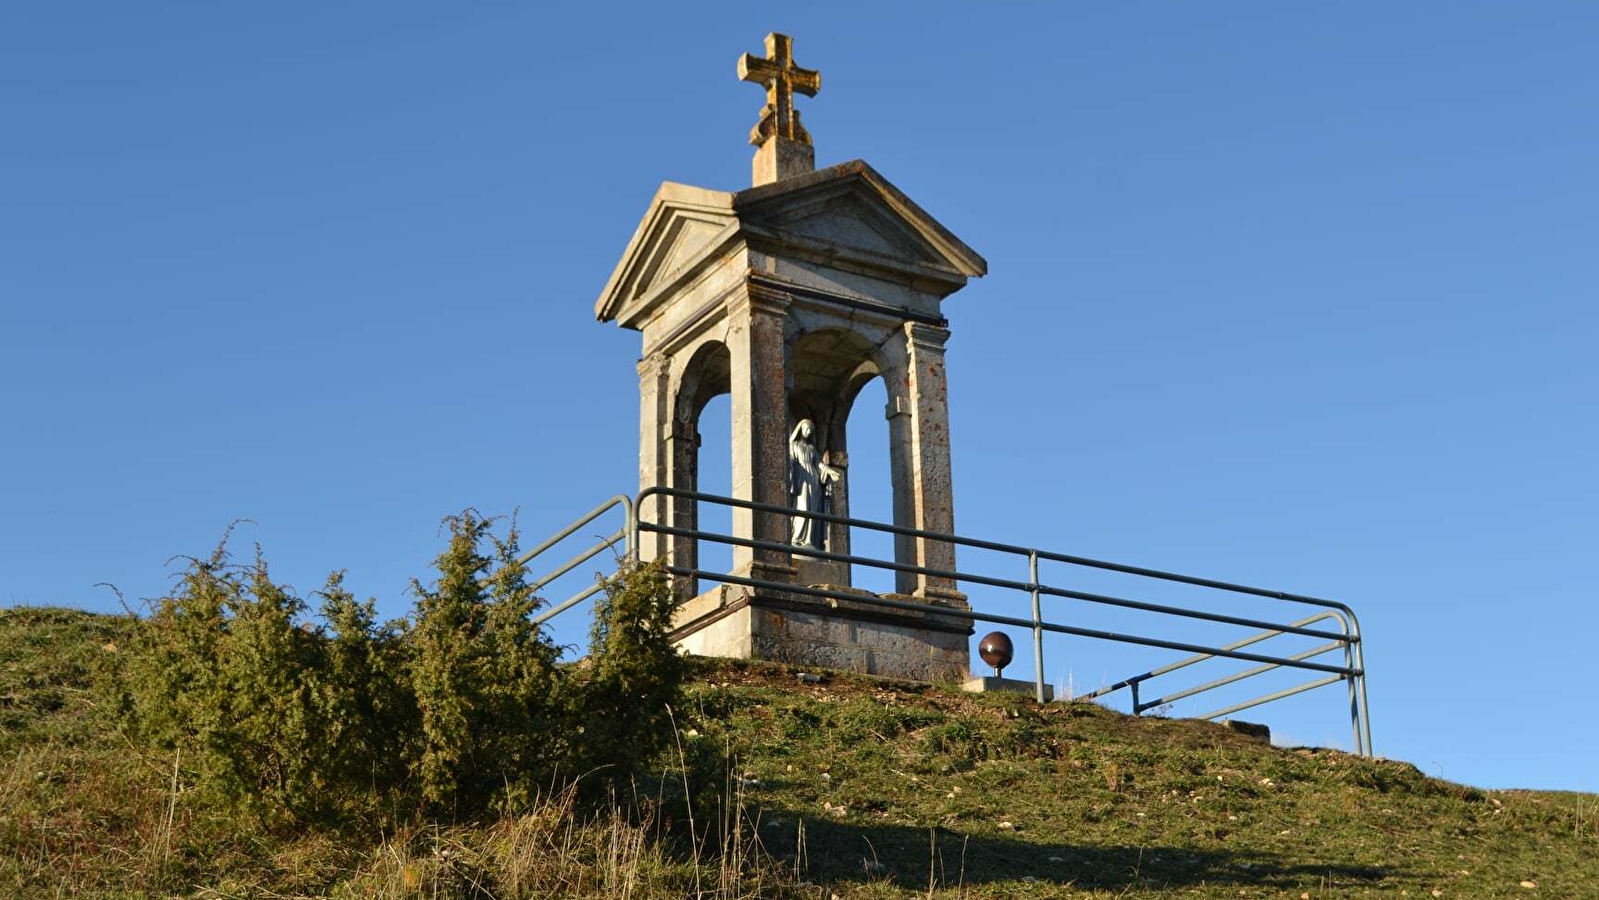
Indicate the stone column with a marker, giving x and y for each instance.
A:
(919, 430)
(756, 343)
(682, 451)
(838, 532)
(902, 472)
(655, 417)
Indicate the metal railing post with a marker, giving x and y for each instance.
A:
(627, 534)
(630, 528)
(1353, 624)
(1354, 699)
(1038, 628)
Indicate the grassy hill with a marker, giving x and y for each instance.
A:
(847, 787)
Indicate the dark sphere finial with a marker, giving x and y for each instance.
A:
(997, 650)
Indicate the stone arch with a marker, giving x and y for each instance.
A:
(704, 374)
(707, 374)
(827, 368)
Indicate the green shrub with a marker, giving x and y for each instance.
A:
(484, 677)
(456, 712)
(367, 708)
(221, 672)
(622, 702)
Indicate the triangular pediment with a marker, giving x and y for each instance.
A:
(843, 215)
(683, 225)
(852, 207)
(855, 221)
(683, 237)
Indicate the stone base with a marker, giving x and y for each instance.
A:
(990, 684)
(830, 633)
(781, 158)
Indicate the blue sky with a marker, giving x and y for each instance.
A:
(1289, 294)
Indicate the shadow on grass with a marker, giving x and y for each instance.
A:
(840, 852)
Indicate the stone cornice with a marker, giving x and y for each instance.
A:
(888, 314)
(925, 337)
(706, 315)
(853, 259)
(761, 297)
(652, 364)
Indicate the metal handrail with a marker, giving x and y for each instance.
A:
(627, 534)
(1185, 663)
(1139, 706)
(1347, 638)
(988, 581)
(980, 544)
(957, 612)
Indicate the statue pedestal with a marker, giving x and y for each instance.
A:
(829, 633)
(810, 571)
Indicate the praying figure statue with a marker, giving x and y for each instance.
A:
(809, 487)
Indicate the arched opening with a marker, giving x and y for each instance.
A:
(830, 369)
(871, 489)
(715, 476)
(701, 418)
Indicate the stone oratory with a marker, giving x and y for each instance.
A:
(791, 296)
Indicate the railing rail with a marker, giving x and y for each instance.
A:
(1346, 637)
(626, 535)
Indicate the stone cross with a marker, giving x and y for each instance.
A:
(784, 144)
(782, 78)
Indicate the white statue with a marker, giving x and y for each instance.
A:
(809, 480)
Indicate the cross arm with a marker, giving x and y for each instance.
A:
(805, 81)
(754, 68)
(764, 71)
